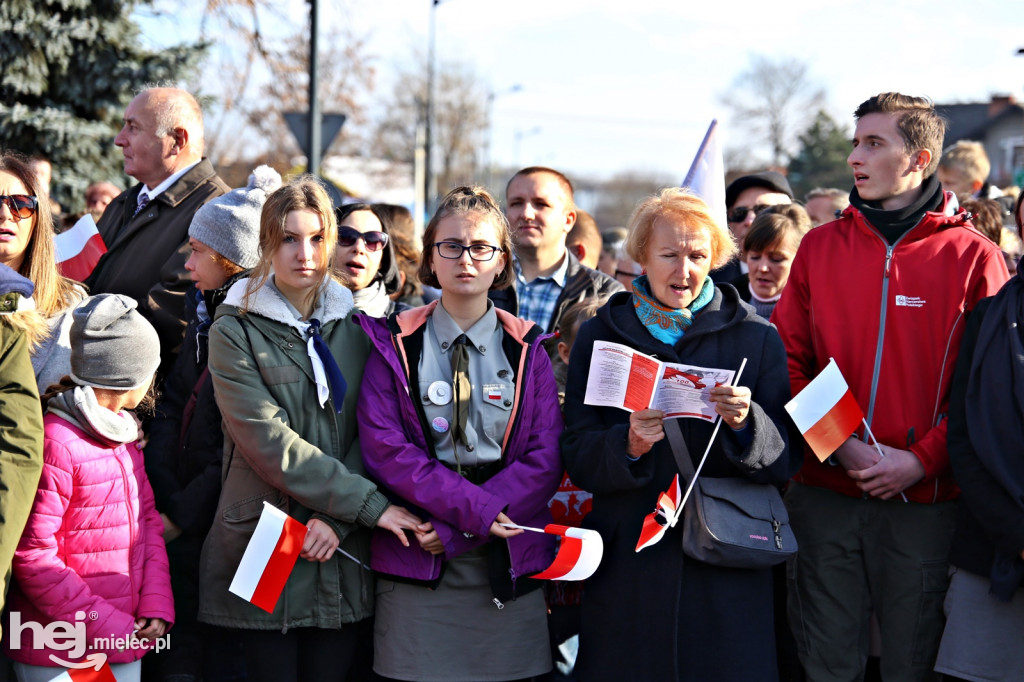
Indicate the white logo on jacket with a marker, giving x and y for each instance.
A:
(909, 301)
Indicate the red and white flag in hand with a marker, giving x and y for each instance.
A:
(269, 558)
(79, 249)
(826, 411)
(579, 553)
(665, 515)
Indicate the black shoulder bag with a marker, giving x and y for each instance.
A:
(731, 522)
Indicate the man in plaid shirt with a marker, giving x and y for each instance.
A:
(541, 212)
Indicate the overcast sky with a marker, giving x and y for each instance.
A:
(608, 85)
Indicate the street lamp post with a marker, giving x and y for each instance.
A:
(428, 137)
(313, 153)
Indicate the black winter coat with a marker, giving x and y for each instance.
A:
(988, 518)
(185, 451)
(656, 615)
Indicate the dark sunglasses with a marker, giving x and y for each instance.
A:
(374, 239)
(20, 205)
(739, 213)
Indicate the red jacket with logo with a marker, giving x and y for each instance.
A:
(892, 316)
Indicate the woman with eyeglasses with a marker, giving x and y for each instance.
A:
(364, 259)
(26, 246)
(459, 420)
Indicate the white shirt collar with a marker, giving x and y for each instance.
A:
(162, 187)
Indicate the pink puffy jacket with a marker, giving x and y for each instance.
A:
(93, 544)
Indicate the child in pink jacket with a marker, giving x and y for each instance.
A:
(92, 555)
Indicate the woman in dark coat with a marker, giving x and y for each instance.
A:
(655, 614)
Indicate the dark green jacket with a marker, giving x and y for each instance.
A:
(21, 443)
(282, 447)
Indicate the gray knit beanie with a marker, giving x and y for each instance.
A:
(112, 344)
(230, 224)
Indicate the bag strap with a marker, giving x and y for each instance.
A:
(679, 450)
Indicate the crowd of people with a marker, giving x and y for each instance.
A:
(423, 410)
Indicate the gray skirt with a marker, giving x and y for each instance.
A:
(456, 633)
(982, 639)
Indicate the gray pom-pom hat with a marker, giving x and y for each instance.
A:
(230, 224)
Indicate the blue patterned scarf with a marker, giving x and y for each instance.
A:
(667, 324)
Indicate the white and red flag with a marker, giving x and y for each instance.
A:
(79, 249)
(826, 411)
(94, 669)
(269, 558)
(706, 177)
(579, 553)
(665, 515)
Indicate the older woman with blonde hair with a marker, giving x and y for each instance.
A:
(26, 223)
(692, 620)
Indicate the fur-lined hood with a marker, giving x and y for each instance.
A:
(335, 303)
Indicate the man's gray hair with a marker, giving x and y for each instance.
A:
(179, 109)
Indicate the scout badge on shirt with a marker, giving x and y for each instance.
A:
(494, 393)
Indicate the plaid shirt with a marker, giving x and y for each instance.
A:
(537, 299)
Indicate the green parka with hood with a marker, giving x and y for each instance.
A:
(282, 447)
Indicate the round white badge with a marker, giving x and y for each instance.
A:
(439, 393)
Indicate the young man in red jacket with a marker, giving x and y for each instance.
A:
(884, 290)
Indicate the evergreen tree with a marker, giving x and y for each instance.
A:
(69, 69)
(821, 161)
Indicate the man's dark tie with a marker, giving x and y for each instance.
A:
(143, 202)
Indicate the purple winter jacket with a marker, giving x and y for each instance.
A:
(397, 456)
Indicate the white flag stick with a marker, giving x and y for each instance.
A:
(516, 525)
(718, 424)
(877, 447)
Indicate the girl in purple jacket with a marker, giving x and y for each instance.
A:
(92, 558)
(459, 420)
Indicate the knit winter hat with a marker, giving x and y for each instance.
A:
(230, 224)
(771, 180)
(112, 345)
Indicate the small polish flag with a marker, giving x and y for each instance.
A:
(98, 670)
(494, 395)
(826, 411)
(269, 558)
(579, 553)
(666, 514)
(79, 249)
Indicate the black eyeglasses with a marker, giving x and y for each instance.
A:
(20, 205)
(374, 239)
(454, 250)
(739, 213)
